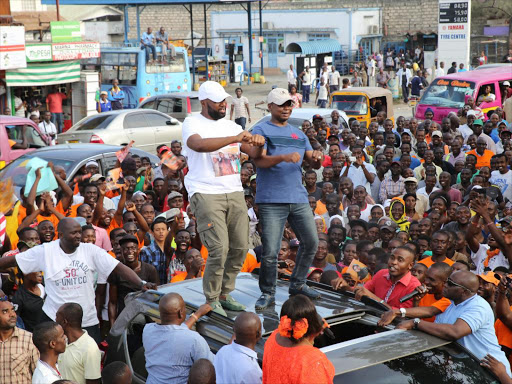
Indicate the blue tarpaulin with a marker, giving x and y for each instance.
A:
(314, 47)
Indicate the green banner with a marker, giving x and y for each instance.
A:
(65, 31)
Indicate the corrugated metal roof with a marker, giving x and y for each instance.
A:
(314, 47)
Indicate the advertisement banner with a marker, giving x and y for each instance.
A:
(75, 51)
(12, 47)
(38, 52)
(454, 32)
(65, 31)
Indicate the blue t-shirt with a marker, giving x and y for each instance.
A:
(281, 183)
(482, 340)
(415, 86)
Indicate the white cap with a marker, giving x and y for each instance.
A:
(213, 91)
(471, 113)
(506, 83)
(92, 162)
(437, 133)
(278, 96)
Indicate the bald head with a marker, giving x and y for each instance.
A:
(172, 309)
(202, 372)
(442, 270)
(247, 329)
(466, 279)
(66, 224)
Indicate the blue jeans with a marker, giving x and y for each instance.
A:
(147, 48)
(273, 218)
(58, 120)
(321, 103)
(306, 89)
(241, 121)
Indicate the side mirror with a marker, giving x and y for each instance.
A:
(173, 121)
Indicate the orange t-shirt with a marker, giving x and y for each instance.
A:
(484, 160)
(250, 263)
(22, 213)
(428, 261)
(309, 364)
(180, 276)
(52, 218)
(430, 301)
(320, 208)
(503, 333)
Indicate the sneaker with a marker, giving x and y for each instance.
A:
(231, 304)
(217, 308)
(304, 290)
(264, 301)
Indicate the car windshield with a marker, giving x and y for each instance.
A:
(350, 104)
(94, 122)
(448, 93)
(447, 364)
(17, 171)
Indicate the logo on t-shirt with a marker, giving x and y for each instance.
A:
(294, 136)
(226, 161)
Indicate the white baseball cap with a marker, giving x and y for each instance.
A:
(506, 83)
(278, 96)
(213, 91)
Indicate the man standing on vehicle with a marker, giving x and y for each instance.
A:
(240, 107)
(54, 105)
(217, 200)
(281, 196)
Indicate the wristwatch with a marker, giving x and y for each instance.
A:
(416, 323)
(402, 311)
(143, 283)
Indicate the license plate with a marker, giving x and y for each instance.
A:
(73, 141)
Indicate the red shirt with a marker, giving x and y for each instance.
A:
(382, 286)
(54, 101)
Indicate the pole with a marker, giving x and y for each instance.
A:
(193, 57)
(137, 10)
(58, 10)
(250, 36)
(126, 24)
(261, 38)
(206, 41)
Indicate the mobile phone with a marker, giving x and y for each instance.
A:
(352, 159)
(282, 264)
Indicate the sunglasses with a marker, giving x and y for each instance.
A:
(452, 283)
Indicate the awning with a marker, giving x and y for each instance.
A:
(57, 72)
(314, 47)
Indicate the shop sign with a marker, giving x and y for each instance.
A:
(65, 31)
(75, 51)
(38, 52)
(12, 47)
(454, 31)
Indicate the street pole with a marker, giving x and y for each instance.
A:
(249, 23)
(261, 39)
(58, 11)
(206, 41)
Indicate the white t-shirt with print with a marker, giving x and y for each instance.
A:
(504, 182)
(212, 172)
(366, 214)
(481, 255)
(69, 277)
(356, 174)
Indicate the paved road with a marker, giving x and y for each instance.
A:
(257, 92)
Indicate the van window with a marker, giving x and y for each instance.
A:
(122, 66)
(149, 105)
(178, 65)
(166, 106)
(448, 93)
(350, 104)
(16, 131)
(486, 94)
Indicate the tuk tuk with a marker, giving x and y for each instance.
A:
(363, 103)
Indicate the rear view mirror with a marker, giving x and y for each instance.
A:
(173, 121)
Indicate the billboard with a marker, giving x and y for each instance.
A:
(454, 32)
(65, 31)
(12, 47)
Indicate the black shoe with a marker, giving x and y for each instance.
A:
(264, 301)
(304, 290)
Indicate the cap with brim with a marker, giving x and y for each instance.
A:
(506, 83)
(91, 163)
(315, 270)
(405, 133)
(253, 177)
(128, 238)
(411, 179)
(248, 192)
(437, 133)
(294, 243)
(476, 187)
(506, 130)
(213, 91)
(140, 193)
(278, 96)
(169, 215)
(317, 117)
(96, 177)
(164, 148)
(104, 93)
(173, 195)
(489, 277)
(478, 122)
(388, 224)
(396, 162)
(470, 113)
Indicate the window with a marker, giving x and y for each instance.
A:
(195, 104)
(135, 120)
(165, 106)
(109, 162)
(16, 132)
(178, 105)
(149, 105)
(484, 96)
(178, 65)
(447, 93)
(122, 66)
(95, 122)
(156, 120)
(318, 36)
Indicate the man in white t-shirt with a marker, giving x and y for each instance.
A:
(334, 79)
(213, 146)
(48, 128)
(69, 267)
(503, 176)
(359, 171)
(291, 77)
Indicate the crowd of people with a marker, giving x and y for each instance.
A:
(387, 210)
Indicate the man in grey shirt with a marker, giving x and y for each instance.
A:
(170, 347)
(162, 40)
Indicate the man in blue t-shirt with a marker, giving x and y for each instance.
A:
(281, 196)
(416, 85)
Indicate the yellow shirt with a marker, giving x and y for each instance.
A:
(81, 360)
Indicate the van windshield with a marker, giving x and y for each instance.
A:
(448, 93)
(350, 104)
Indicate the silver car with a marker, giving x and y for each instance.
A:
(147, 128)
(298, 116)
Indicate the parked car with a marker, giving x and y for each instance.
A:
(178, 105)
(360, 351)
(12, 131)
(147, 128)
(71, 157)
(298, 116)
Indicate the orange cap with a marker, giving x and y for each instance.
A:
(489, 277)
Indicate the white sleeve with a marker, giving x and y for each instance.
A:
(103, 263)
(479, 255)
(32, 260)
(187, 129)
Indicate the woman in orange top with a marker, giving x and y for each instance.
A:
(289, 356)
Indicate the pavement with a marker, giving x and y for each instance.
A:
(257, 92)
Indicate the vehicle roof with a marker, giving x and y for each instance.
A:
(192, 94)
(4, 119)
(494, 65)
(130, 49)
(486, 74)
(307, 113)
(369, 91)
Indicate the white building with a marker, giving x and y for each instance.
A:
(352, 28)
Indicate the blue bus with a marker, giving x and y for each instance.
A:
(137, 78)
